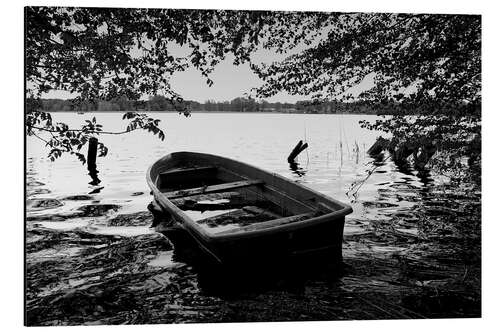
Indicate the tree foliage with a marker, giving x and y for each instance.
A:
(101, 54)
(427, 62)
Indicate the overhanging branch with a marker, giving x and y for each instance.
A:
(86, 131)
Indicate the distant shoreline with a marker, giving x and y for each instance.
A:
(222, 112)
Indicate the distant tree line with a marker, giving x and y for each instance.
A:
(240, 104)
(117, 104)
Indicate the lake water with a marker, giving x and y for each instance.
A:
(396, 212)
(334, 160)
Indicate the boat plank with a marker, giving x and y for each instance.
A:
(217, 201)
(230, 195)
(237, 217)
(181, 175)
(183, 171)
(270, 223)
(211, 189)
(324, 208)
(261, 211)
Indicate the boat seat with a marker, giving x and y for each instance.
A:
(212, 188)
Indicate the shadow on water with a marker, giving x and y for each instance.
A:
(93, 172)
(296, 169)
(423, 175)
(378, 159)
(244, 278)
(412, 249)
(419, 261)
(404, 167)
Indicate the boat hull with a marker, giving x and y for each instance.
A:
(317, 234)
(324, 238)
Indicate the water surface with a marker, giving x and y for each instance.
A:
(411, 242)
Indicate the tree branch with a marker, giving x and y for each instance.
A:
(46, 142)
(86, 131)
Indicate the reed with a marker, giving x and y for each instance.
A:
(356, 151)
(341, 153)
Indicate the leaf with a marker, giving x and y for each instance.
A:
(81, 158)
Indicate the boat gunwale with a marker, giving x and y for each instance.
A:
(214, 237)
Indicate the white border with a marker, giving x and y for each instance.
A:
(13, 173)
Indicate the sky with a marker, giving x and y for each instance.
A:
(230, 81)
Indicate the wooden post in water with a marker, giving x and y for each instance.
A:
(91, 161)
(379, 145)
(402, 151)
(426, 152)
(296, 151)
(92, 153)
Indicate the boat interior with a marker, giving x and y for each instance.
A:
(223, 201)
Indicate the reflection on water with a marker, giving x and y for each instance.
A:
(411, 247)
(296, 169)
(93, 172)
(328, 166)
(251, 138)
(235, 280)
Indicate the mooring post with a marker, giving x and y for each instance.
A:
(296, 151)
(403, 151)
(426, 152)
(92, 153)
(379, 145)
(91, 161)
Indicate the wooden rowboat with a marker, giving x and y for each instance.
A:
(237, 212)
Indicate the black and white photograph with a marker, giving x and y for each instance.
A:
(220, 165)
